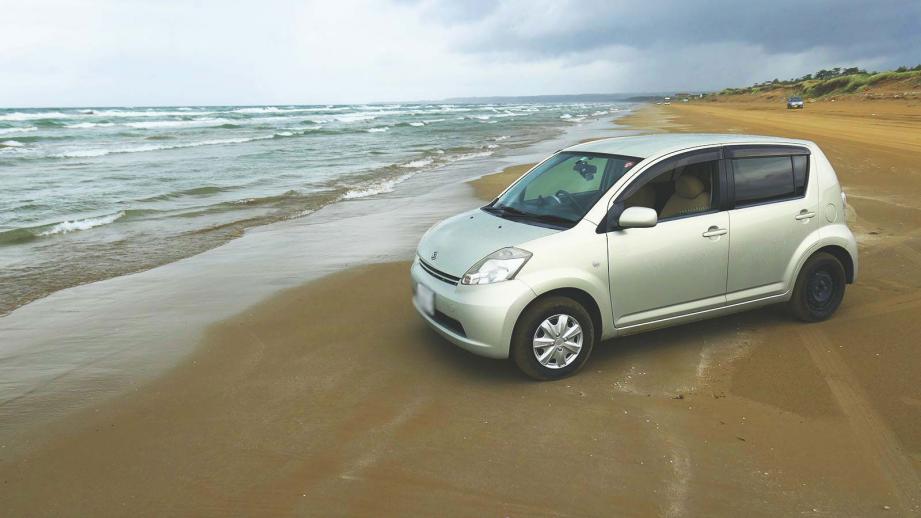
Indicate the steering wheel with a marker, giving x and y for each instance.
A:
(560, 194)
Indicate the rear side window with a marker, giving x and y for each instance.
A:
(764, 179)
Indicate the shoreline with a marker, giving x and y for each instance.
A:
(288, 407)
(137, 188)
(80, 346)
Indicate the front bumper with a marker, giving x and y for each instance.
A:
(480, 318)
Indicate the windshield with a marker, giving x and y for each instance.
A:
(560, 191)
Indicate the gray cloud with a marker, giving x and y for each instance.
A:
(847, 30)
(107, 52)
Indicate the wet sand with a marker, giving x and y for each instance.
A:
(868, 355)
(490, 186)
(80, 346)
(333, 398)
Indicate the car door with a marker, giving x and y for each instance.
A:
(775, 202)
(680, 265)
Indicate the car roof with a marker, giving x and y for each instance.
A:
(649, 146)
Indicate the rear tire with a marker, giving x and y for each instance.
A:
(553, 338)
(819, 288)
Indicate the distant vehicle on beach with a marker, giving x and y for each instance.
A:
(625, 235)
(795, 103)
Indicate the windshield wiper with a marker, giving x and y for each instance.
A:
(505, 210)
(552, 219)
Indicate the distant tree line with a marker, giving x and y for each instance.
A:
(832, 81)
(833, 73)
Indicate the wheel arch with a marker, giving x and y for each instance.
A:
(584, 298)
(843, 256)
(836, 240)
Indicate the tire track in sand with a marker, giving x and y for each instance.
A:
(875, 436)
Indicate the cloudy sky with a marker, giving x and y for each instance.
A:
(155, 52)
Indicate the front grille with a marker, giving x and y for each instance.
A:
(449, 323)
(438, 274)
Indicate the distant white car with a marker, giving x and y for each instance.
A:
(794, 103)
(625, 235)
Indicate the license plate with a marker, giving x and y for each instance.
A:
(425, 298)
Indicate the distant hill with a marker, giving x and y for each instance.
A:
(902, 83)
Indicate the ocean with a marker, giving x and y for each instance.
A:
(97, 192)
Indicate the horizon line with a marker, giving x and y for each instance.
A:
(445, 100)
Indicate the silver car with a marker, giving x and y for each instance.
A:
(624, 235)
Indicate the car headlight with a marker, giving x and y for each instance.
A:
(498, 266)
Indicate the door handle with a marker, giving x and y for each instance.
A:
(715, 231)
(804, 214)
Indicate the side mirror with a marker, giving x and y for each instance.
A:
(638, 217)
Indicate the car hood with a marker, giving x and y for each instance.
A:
(457, 243)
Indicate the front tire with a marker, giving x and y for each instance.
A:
(553, 338)
(819, 288)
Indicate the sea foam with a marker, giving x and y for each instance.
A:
(88, 153)
(26, 116)
(14, 131)
(381, 187)
(87, 125)
(416, 164)
(194, 123)
(147, 113)
(82, 224)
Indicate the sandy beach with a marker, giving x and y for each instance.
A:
(333, 398)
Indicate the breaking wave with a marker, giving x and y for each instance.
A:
(194, 123)
(14, 131)
(82, 224)
(381, 187)
(28, 116)
(88, 153)
(88, 125)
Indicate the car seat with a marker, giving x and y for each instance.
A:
(690, 196)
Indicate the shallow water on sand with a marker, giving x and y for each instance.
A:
(93, 193)
(88, 342)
